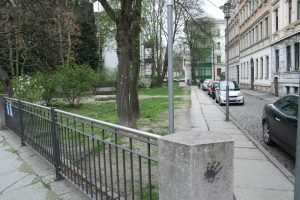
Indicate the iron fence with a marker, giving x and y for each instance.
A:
(104, 160)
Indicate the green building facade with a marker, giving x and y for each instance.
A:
(203, 62)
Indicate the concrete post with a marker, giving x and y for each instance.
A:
(2, 111)
(196, 166)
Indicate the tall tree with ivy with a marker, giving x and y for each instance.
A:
(86, 48)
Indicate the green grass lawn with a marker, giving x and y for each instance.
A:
(107, 111)
(153, 110)
(161, 91)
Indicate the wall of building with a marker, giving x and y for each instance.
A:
(288, 81)
(262, 70)
(219, 49)
(285, 34)
(255, 45)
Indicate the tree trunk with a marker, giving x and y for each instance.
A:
(135, 45)
(61, 45)
(10, 49)
(165, 66)
(123, 83)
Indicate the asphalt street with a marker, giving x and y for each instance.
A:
(249, 117)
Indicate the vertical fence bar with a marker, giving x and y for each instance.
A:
(55, 143)
(21, 122)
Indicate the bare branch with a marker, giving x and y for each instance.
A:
(111, 13)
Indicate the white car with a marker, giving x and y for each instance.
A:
(205, 83)
(235, 94)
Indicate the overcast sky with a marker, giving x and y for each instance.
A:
(212, 8)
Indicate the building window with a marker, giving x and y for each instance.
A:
(261, 31)
(261, 67)
(296, 48)
(287, 89)
(277, 60)
(276, 19)
(248, 70)
(267, 67)
(296, 91)
(256, 77)
(288, 58)
(256, 34)
(267, 26)
(218, 45)
(290, 10)
(218, 59)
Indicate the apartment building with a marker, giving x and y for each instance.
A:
(285, 39)
(208, 49)
(255, 45)
(218, 53)
(233, 31)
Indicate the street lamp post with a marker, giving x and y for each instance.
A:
(297, 167)
(226, 10)
(170, 66)
(213, 59)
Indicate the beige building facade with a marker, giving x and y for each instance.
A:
(255, 45)
(285, 39)
(233, 31)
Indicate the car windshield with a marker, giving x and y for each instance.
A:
(232, 86)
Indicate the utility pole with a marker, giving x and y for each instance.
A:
(297, 167)
(213, 57)
(170, 66)
(226, 10)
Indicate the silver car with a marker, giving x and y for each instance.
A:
(235, 94)
(205, 84)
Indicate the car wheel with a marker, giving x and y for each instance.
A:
(266, 133)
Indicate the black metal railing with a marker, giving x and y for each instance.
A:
(104, 160)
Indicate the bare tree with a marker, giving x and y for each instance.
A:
(127, 20)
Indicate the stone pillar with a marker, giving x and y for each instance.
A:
(2, 111)
(196, 165)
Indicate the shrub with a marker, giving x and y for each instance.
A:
(26, 88)
(145, 82)
(49, 83)
(74, 80)
(104, 78)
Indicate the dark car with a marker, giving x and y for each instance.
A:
(279, 123)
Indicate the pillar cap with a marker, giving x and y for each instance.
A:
(197, 137)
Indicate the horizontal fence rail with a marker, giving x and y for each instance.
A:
(104, 160)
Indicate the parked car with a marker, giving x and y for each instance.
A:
(208, 87)
(212, 88)
(279, 123)
(204, 84)
(236, 96)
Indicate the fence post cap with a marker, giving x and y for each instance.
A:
(196, 137)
